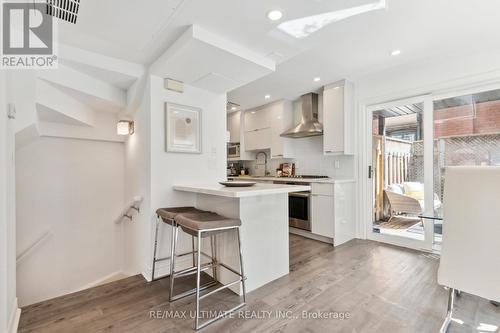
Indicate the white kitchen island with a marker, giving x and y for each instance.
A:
(263, 210)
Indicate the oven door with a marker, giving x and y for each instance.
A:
(298, 210)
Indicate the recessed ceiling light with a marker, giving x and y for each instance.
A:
(233, 108)
(395, 52)
(267, 96)
(274, 15)
(317, 79)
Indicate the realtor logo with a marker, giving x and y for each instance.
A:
(27, 36)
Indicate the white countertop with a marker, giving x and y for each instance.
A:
(295, 180)
(239, 192)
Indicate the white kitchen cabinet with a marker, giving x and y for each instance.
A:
(233, 126)
(322, 215)
(256, 119)
(281, 114)
(259, 139)
(264, 125)
(338, 118)
(332, 211)
(345, 215)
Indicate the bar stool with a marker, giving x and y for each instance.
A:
(168, 216)
(201, 225)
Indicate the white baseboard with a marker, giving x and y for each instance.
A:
(98, 281)
(14, 317)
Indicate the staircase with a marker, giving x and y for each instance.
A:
(82, 99)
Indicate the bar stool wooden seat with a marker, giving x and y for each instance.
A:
(168, 216)
(202, 225)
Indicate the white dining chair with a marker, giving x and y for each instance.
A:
(470, 255)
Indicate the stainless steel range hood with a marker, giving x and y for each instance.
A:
(309, 125)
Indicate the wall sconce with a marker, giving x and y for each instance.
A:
(125, 127)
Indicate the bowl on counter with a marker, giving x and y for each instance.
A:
(238, 183)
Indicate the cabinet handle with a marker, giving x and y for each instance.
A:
(281, 155)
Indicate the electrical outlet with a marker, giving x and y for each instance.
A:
(337, 164)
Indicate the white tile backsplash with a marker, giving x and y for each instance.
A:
(309, 161)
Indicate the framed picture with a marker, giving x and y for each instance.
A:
(182, 128)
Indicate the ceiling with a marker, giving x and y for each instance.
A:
(140, 31)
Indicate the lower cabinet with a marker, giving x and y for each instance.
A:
(332, 211)
(322, 215)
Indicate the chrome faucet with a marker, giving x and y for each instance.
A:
(265, 161)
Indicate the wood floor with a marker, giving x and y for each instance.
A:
(380, 287)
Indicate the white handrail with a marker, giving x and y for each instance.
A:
(24, 254)
(135, 204)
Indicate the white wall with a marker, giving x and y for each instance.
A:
(8, 300)
(138, 183)
(428, 76)
(73, 189)
(150, 167)
(168, 169)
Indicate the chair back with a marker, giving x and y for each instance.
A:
(470, 255)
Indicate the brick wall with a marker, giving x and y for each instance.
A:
(460, 121)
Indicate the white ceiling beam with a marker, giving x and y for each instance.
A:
(100, 61)
(105, 130)
(53, 98)
(208, 61)
(81, 82)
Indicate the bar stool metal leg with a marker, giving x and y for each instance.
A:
(241, 268)
(175, 232)
(194, 252)
(241, 279)
(213, 249)
(198, 278)
(449, 314)
(154, 251)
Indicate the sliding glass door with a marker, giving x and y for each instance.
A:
(466, 132)
(411, 142)
(400, 178)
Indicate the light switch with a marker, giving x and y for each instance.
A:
(11, 113)
(337, 164)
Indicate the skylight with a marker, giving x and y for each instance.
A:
(305, 26)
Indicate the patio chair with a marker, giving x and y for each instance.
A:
(401, 203)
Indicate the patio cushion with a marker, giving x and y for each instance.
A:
(396, 188)
(414, 190)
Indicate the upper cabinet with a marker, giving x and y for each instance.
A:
(256, 119)
(281, 114)
(264, 125)
(233, 126)
(338, 115)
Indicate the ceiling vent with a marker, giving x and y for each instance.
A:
(66, 10)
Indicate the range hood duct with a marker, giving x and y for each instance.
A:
(309, 125)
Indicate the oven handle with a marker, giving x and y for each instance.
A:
(300, 194)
